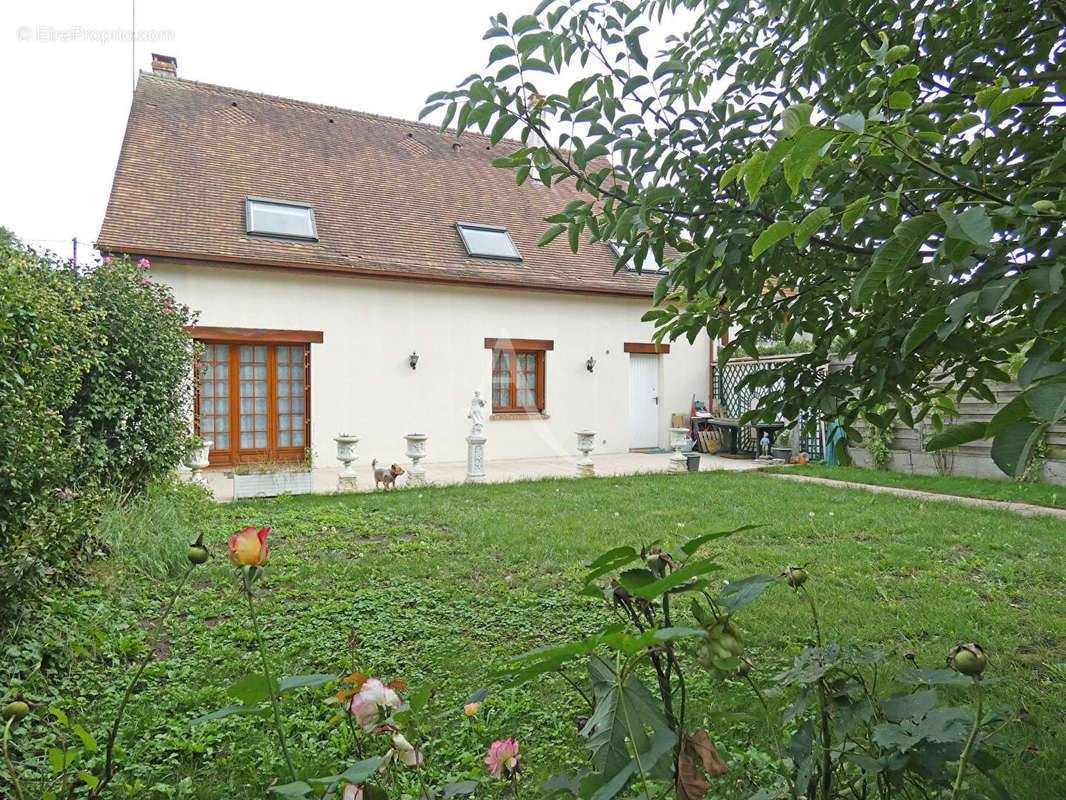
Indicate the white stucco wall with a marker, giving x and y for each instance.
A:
(361, 381)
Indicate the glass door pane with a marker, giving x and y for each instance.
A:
(214, 396)
(291, 400)
(253, 397)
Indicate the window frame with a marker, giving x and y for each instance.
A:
(284, 237)
(656, 269)
(537, 348)
(461, 228)
(235, 454)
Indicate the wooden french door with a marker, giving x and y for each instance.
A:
(254, 401)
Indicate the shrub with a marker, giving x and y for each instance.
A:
(95, 380)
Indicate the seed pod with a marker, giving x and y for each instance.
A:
(16, 710)
(969, 659)
(1044, 205)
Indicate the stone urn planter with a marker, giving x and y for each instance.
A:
(586, 441)
(782, 453)
(347, 481)
(678, 438)
(416, 451)
(197, 460)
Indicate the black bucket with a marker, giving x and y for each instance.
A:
(693, 461)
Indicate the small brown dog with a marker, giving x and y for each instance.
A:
(386, 477)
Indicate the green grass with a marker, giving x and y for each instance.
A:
(1040, 494)
(439, 586)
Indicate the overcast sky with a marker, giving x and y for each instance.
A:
(68, 79)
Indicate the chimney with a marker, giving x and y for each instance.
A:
(164, 65)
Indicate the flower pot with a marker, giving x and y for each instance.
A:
(271, 484)
(693, 461)
(783, 453)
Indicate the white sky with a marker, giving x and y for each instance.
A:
(66, 102)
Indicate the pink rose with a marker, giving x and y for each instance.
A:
(352, 792)
(372, 703)
(502, 758)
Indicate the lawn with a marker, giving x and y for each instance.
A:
(439, 586)
(1040, 494)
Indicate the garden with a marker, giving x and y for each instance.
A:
(442, 588)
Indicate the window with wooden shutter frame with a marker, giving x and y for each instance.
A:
(518, 374)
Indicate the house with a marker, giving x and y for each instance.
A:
(364, 274)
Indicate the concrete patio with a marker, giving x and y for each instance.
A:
(497, 471)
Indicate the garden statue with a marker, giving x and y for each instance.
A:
(764, 446)
(476, 415)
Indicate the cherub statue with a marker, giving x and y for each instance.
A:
(476, 415)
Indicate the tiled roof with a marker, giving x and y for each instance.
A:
(386, 192)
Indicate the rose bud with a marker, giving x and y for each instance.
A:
(198, 554)
(969, 659)
(248, 548)
(15, 710)
(796, 576)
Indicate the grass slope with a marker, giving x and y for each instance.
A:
(1040, 494)
(440, 585)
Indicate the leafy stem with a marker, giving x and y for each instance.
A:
(978, 690)
(10, 764)
(109, 765)
(246, 574)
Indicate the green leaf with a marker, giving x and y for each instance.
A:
(693, 569)
(87, 740)
(1015, 411)
(956, 435)
(461, 787)
(60, 760)
(610, 561)
(963, 123)
(924, 327)
(302, 681)
(90, 780)
(500, 51)
(227, 711)
(796, 117)
(503, 124)
(250, 689)
(1012, 445)
(855, 209)
(1047, 399)
(810, 225)
(805, 154)
(975, 225)
(904, 73)
(853, 121)
(895, 255)
(738, 594)
(668, 68)
(690, 547)
(900, 100)
(523, 24)
(753, 174)
(1009, 98)
(730, 174)
(294, 789)
(897, 53)
(772, 235)
(550, 234)
(912, 705)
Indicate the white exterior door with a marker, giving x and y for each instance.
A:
(643, 400)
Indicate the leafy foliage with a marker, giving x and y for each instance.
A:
(889, 176)
(95, 366)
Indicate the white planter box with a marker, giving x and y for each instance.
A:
(271, 484)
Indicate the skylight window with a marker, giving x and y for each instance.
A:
(280, 220)
(487, 241)
(649, 265)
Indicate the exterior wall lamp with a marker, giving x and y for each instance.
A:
(413, 360)
(590, 364)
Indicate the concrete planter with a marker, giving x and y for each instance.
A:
(784, 453)
(271, 484)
